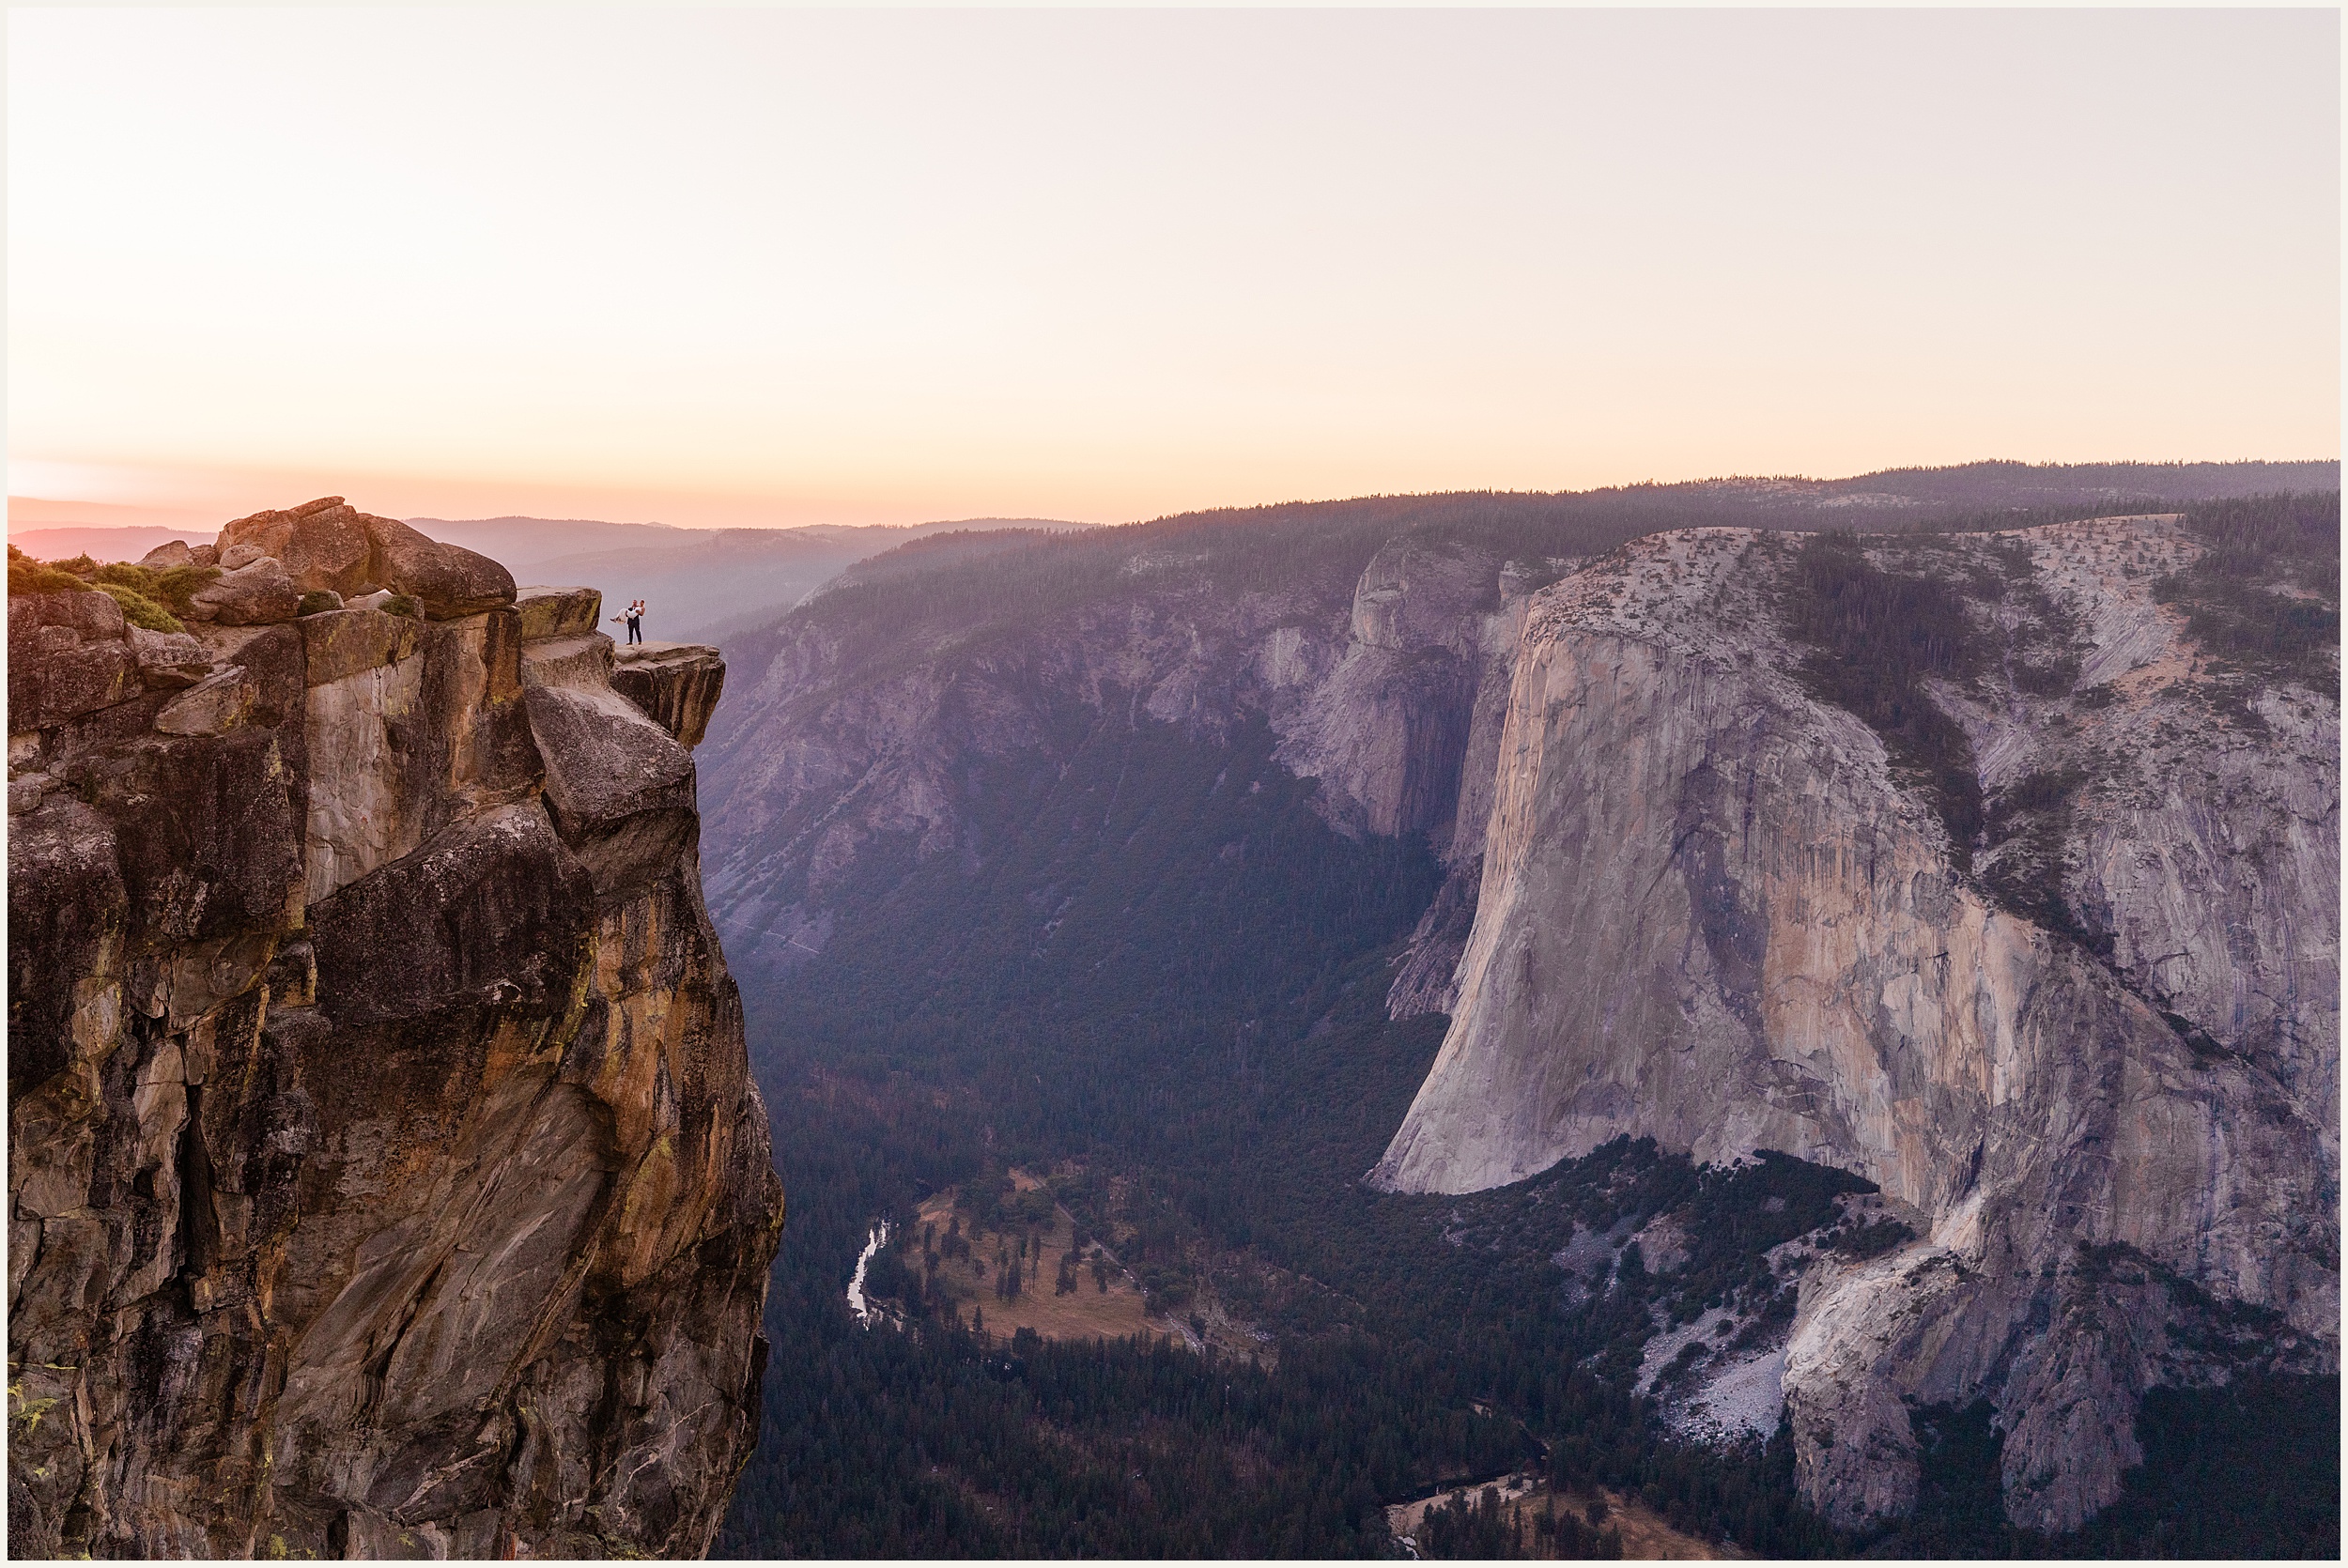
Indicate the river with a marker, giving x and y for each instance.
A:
(866, 1313)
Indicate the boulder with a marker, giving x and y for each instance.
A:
(271, 531)
(329, 551)
(620, 787)
(557, 611)
(446, 579)
(171, 552)
(237, 556)
(580, 662)
(264, 531)
(676, 684)
(213, 706)
(90, 617)
(260, 594)
(27, 790)
(168, 661)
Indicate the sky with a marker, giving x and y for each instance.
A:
(774, 267)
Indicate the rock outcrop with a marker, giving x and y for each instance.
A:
(2093, 1047)
(386, 1178)
(678, 684)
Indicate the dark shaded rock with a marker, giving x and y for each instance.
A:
(210, 839)
(67, 656)
(492, 912)
(66, 904)
(125, 721)
(274, 660)
(65, 683)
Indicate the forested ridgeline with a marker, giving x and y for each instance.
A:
(1156, 978)
(957, 592)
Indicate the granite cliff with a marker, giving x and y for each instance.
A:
(385, 1175)
(2049, 949)
(1376, 679)
(1990, 866)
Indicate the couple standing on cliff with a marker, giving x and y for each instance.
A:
(634, 616)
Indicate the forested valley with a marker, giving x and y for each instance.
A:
(1155, 991)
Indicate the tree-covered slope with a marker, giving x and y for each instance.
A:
(1021, 859)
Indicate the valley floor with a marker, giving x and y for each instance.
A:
(1531, 1510)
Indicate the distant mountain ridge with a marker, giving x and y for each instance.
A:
(697, 583)
(526, 540)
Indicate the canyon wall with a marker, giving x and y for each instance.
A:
(2092, 1052)
(1377, 680)
(386, 1178)
(2046, 942)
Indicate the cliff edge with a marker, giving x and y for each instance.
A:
(386, 1178)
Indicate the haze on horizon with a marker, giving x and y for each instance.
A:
(779, 267)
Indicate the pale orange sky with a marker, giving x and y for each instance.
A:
(777, 267)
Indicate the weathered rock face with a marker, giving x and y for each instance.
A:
(1369, 675)
(678, 684)
(385, 1176)
(1712, 911)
